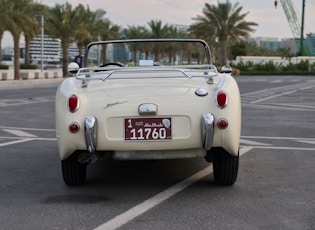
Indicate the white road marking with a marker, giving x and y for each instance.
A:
(15, 142)
(31, 129)
(307, 141)
(146, 205)
(19, 133)
(273, 96)
(283, 148)
(21, 136)
(247, 142)
(280, 138)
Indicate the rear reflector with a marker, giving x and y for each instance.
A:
(221, 99)
(74, 127)
(222, 123)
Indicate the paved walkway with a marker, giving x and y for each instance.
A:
(17, 84)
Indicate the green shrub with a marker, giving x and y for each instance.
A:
(27, 66)
(269, 68)
(4, 67)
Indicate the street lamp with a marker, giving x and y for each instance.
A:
(42, 41)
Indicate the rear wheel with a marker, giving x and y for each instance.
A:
(73, 172)
(225, 167)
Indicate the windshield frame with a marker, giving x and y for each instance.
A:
(204, 44)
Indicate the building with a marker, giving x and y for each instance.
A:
(52, 51)
(310, 41)
(291, 44)
(271, 43)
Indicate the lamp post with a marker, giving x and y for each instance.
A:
(42, 41)
(302, 45)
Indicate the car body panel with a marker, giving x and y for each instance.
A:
(112, 101)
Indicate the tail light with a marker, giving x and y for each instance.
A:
(73, 103)
(221, 99)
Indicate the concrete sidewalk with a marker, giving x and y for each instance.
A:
(20, 84)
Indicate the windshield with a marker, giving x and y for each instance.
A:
(147, 53)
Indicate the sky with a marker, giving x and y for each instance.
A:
(271, 22)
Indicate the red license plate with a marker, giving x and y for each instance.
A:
(144, 129)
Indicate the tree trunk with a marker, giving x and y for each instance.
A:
(223, 51)
(65, 57)
(1, 34)
(27, 49)
(16, 40)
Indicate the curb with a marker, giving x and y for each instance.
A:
(30, 83)
(30, 74)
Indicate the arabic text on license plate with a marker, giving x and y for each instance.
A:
(143, 129)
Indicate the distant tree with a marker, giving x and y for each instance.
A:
(16, 19)
(223, 21)
(64, 22)
(1, 36)
(107, 31)
(2, 27)
(157, 30)
(136, 32)
(33, 29)
(238, 49)
(88, 28)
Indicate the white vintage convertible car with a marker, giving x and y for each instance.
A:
(148, 99)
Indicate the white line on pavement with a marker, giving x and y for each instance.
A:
(283, 148)
(247, 142)
(278, 138)
(273, 96)
(146, 205)
(18, 133)
(15, 142)
(31, 129)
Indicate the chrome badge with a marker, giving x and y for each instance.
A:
(147, 109)
(201, 92)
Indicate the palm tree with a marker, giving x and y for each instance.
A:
(63, 22)
(134, 32)
(33, 28)
(88, 28)
(223, 21)
(158, 31)
(4, 17)
(106, 31)
(1, 36)
(18, 20)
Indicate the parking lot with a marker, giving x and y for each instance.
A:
(275, 188)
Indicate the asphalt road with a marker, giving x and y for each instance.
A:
(275, 187)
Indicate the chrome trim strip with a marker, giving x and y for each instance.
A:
(207, 128)
(90, 133)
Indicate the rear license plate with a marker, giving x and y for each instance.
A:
(148, 129)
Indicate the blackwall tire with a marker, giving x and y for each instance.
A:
(225, 167)
(73, 172)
